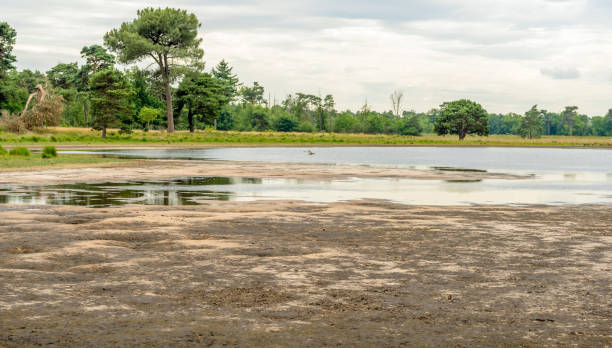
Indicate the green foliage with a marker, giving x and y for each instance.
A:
(410, 126)
(286, 124)
(462, 117)
(169, 37)
(531, 124)
(63, 75)
(148, 114)
(97, 58)
(110, 95)
(253, 95)
(49, 152)
(7, 41)
(203, 96)
(19, 151)
(223, 72)
(3, 152)
(569, 118)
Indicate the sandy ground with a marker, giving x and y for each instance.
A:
(295, 274)
(364, 273)
(168, 169)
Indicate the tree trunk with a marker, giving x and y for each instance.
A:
(104, 132)
(190, 118)
(571, 128)
(86, 112)
(215, 123)
(166, 80)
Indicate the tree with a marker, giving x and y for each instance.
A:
(63, 75)
(203, 96)
(110, 95)
(253, 95)
(396, 101)
(531, 124)
(569, 117)
(169, 37)
(7, 41)
(147, 114)
(223, 72)
(462, 117)
(97, 58)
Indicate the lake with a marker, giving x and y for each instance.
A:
(557, 176)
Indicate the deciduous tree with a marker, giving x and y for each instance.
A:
(462, 117)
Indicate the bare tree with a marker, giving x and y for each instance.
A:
(396, 100)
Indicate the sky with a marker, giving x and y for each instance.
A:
(505, 54)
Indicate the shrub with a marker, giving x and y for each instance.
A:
(19, 151)
(49, 152)
(2, 151)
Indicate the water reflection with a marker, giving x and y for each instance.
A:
(540, 189)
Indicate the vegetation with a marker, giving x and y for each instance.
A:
(19, 151)
(82, 136)
(168, 36)
(194, 100)
(35, 162)
(462, 117)
(49, 152)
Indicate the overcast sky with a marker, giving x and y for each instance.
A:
(505, 54)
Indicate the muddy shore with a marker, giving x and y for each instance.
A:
(284, 273)
(295, 274)
(169, 169)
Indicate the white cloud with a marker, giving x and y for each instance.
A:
(501, 53)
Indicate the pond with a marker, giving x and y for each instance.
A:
(558, 176)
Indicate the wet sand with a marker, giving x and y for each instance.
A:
(169, 169)
(282, 273)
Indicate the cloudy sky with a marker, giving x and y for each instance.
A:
(505, 54)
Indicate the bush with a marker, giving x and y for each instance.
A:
(2, 151)
(49, 152)
(19, 151)
(286, 124)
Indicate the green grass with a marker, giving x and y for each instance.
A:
(49, 152)
(19, 151)
(62, 161)
(82, 136)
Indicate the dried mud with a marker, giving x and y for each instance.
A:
(364, 273)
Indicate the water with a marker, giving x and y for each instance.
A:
(530, 160)
(558, 176)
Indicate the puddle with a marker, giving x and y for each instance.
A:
(201, 190)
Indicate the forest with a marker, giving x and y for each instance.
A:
(111, 87)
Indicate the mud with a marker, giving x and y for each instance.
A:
(169, 169)
(366, 273)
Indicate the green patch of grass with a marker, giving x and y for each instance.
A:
(49, 152)
(81, 136)
(35, 162)
(19, 151)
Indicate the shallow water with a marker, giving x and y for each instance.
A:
(483, 158)
(199, 190)
(558, 176)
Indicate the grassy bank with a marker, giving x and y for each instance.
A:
(82, 136)
(35, 161)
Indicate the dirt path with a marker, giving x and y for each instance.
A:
(295, 274)
(166, 169)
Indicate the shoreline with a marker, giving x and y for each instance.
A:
(37, 146)
(139, 169)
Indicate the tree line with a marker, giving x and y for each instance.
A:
(176, 92)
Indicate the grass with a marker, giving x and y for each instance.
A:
(62, 161)
(82, 136)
